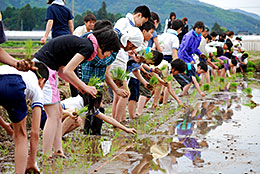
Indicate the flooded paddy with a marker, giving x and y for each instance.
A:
(215, 134)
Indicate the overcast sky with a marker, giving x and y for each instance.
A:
(252, 6)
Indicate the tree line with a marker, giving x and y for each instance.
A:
(30, 18)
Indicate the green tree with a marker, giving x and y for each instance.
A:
(26, 18)
(102, 12)
(217, 28)
(10, 18)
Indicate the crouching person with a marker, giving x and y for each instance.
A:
(15, 88)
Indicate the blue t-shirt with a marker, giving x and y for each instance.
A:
(150, 42)
(60, 16)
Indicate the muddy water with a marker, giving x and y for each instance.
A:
(217, 135)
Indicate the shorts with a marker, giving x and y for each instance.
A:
(168, 58)
(182, 79)
(50, 90)
(12, 96)
(43, 119)
(133, 85)
(145, 92)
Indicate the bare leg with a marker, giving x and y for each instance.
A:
(140, 106)
(157, 93)
(132, 108)
(114, 105)
(165, 96)
(69, 124)
(120, 113)
(52, 129)
(207, 77)
(186, 88)
(21, 146)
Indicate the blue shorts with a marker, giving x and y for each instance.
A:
(133, 85)
(12, 96)
(43, 119)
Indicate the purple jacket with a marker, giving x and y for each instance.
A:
(188, 46)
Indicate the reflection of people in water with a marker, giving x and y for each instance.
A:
(184, 131)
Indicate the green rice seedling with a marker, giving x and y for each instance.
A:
(247, 90)
(153, 81)
(251, 69)
(164, 67)
(148, 56)
(80, 112)
(168, 78)
(197, 78)
(95, 81)
(206, 87)
(214, 53)
(240, 75)
(211, 78)
(250, 73)
(233, 85)
(222, 79)
(250, 64)
(28, 49)
(119, 76)
(225, 61)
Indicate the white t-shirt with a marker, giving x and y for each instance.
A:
(123, 23)
(80, 30)
(202, 46)
(169, 41)
(73, 103)
(33, 91)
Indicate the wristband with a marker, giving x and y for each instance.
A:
(151, 70)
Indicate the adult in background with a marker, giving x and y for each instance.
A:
(169, 21)
(185, 29)
(59, 20)
(89, 22)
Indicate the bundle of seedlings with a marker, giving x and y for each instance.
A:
(168, 78)
(94, 103)
(153, 81)
(119, 76)
(206, 87)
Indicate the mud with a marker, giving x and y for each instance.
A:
(215, 134)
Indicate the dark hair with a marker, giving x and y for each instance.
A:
(42, 71)
(222, 35)
(172, 14)
(203, 66)
(100, 24)
(49, 1)
(177, 24)
(155, 16)
(208, 37)
(199, 24)
(147, 26)
(234, 61)
(213, 34)
(230, 33)
(144, 10)
(107, 40)
(184, 19)
(239, 38)
(229, 44)
(178, 65)
(244, 56)
(90, 17)
(157, 57)
(206, 28)
(220, 51)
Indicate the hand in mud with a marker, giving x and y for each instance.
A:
(25, 65)
(157, 71)
(122, 92)
(91, 90)
(202, 94)
(131, 130)
(211, 55)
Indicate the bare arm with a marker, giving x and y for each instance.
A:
(112, 121)
(174, 54)
(113, 86)
(36, 119)
(7, 59)
(171, 91)
(157, 44)
(67, 73)
(197, 86)
(47, 32)
(71, 26)
(140, 77)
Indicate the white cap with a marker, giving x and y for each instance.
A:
(134, 35)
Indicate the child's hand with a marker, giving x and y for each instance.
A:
(25, 65)
(157, 71)
(91, 90)
(202, 94)
(211, 55)
(148, 76)
(203, 56)
(123, 93)
(131, 130)
(148, 86)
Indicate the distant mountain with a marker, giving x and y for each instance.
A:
(246, 13)
(192, 9)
